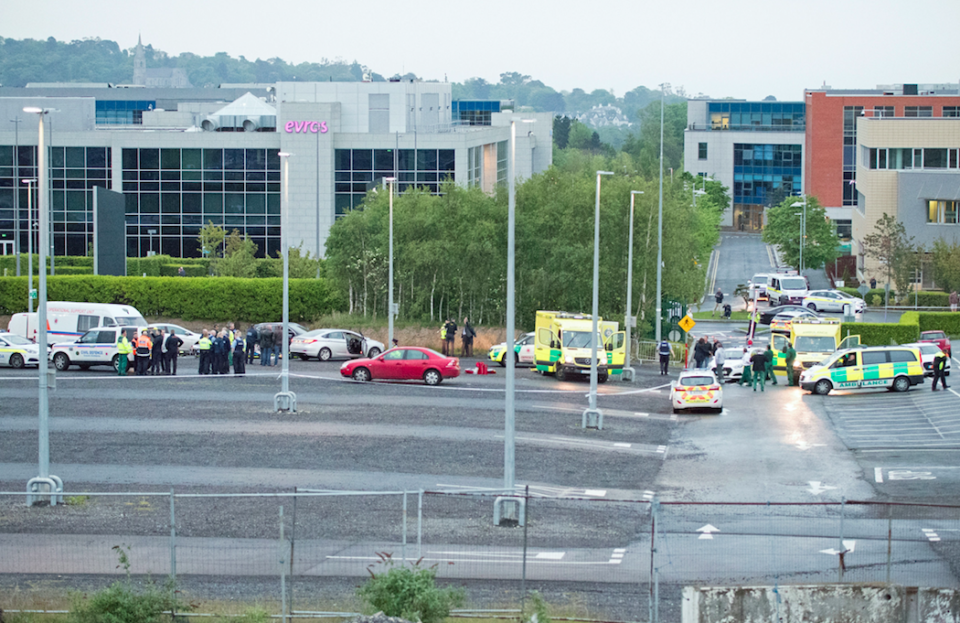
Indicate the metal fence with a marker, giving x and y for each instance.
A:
(305, 552)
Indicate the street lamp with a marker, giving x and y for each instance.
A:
(29, 184)
(16, 194)
(803, 227)
(286, 400)
(658, 321)
(510, 508)
(44, 482)
(592, 416)
(150, 250)
(390, 310)
(628, 372)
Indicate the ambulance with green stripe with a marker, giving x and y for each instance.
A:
(814, 339)
(563, 345)
(896, 368)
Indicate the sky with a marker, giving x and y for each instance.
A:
(746, 49)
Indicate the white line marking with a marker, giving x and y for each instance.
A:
(621, 445)
(597, 493)
(878, 474)
(616, 555)
(550, 555)
(619, 550)
(614, 561)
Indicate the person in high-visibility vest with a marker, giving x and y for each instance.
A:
(124, 349)
(144, 346)
(203, 346)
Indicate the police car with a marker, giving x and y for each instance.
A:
(696, 389)
(833, 301)
(17, 352)
(897, 368)
(96, 347)
(523, 351)
(929, 352)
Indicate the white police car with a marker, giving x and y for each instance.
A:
(832, 301)
(96, 347)
(17, 352)
(696, 389)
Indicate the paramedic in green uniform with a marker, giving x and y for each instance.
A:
(769, 369)
(791, 356)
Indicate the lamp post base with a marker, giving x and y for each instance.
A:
(509, 511)
(285, 401)
(628, 375)
(592, 418)
(40, 487)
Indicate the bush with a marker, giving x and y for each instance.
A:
(948, 322)
(881, 333)
(924, 299)
(409, 592)
(73, 270)
(191, 270)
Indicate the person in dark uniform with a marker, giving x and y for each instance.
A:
(770, 376)
(664, 351)
(156, 354)
(791, 355)
(759, 364)
(239, 356)
(173, 353)
(939, 371)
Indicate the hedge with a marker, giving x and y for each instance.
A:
(948, 322)
(925, 299)
(73, 270)
(881, 333)
(153, 266)
(226, 298)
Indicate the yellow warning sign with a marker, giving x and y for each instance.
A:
(686, 323)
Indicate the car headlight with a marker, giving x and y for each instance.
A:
(570, 359)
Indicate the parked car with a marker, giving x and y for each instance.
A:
(405, 363)
(696, 389)
(96, 347)
(928, 351)
(767, 316)
(939, 338)
(833, 301)
(17, 352)
(326, 344)
(781, 322)
(189, 338)
(523, 351)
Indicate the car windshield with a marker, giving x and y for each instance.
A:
(16, 340)
(928, 349)
(934, 335)
(815, 344)
(130, 321)
(844, 295)
(794, 283)
(759, 280)
(696, 381)
(579, 339)
(298, 329)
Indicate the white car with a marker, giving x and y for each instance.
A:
(96, 347)
(759, 284)
(928, 352)
(523, 351)
(189, 338)
(327, 344)
(17, 352)
(833, 301)
(696, 389)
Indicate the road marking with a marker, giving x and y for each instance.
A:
(848, 547)
(878, 474)
(617, 556)
(550, 555)
(706, 532)
(817, 488)
(648, 495)
(930, 534)
(597, 493)
(621, 445)
(661, 449)
(895, 474)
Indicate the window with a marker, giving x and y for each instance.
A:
(883, 111)
(934, 158)
(902, 356)
(86, 322)
(702, 151)
(415, 355)
(943, 212)
(873, 358)
(106, 337)
(951, 111)
(918, 111)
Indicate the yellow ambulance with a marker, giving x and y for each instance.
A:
(814, 339)
(563, 345)
(896, 368)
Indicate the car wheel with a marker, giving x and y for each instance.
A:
(16, 361)
(560, 374)
(115, 362)
(324, 354)
(811, 307)
(602, 378)
(432, 377)
(901, 384)
(361, 374)
(823, 387)
(676, 410)
(373, 352)
(61, 362)
(718, 410)
(503, 361)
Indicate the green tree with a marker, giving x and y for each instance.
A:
(946, 265)
(821, 244)
(645, 148)
(239, 257)
(561, 131)
(211, 240)
(894, 250)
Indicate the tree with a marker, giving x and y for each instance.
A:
(821, 244)
(893, 249)
(561, 131)
(211, 240)
(946, 265)
(239, 257)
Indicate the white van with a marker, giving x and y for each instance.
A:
(67, 321)
(787, 289)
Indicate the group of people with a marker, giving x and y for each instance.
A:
(154, 352)
(448, 334)
(704, 350)
(269, 342)
(221, 348)
(758, 367)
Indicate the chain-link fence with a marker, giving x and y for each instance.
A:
(306, 552)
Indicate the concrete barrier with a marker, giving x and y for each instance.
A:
(836, 603)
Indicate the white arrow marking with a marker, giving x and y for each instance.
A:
(817, 488)
(849, 546)
(707, 531)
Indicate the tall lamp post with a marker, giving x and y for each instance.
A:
(286, 400)
(29, 184)
(803, 227)
(592, 416)
(16, 191)
(510, 508)
(44, 482)
(390, 310)
(628, 372)
(659, 319)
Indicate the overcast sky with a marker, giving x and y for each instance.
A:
(739, 48)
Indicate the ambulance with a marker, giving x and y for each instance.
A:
(814, 339)
(67, 321)
(896, 368)
(563, 345)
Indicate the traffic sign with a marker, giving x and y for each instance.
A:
(863, 289)
(686, 323)
(33, 294)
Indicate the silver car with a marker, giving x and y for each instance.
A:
(327, 344)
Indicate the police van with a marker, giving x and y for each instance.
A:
(896, 368)
(786, 289)
(66, 321)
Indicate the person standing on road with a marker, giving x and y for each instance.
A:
(466, 339)
(718, 297)
(266, 345)
(940, 371)
(239, 356)
(759, 365)
(173, 353)
(719, 357)
(156, 353)
(769, 375)
(745, 377)
(124, 350)
(664, 351)
(252, 338)
(791, 355)
(450, 336)
(203, 348)
(954, 299)
(700, 353)
(144, 346)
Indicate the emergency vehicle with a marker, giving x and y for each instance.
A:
(522, 351)
(896, 368)
(786, 289)
(696, 389)
(563, 345)
(814, 339)
(66, 321)
(97, 347)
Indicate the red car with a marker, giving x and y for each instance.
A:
(939, 338)
(406, 363)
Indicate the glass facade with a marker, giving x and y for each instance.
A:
(356, 171)
(943, 212)
(757, 116)
(74, 171)
(850, 115)
(474, 112)
(174, 192)
(765, 173)
(122, 112)
(898, 158)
